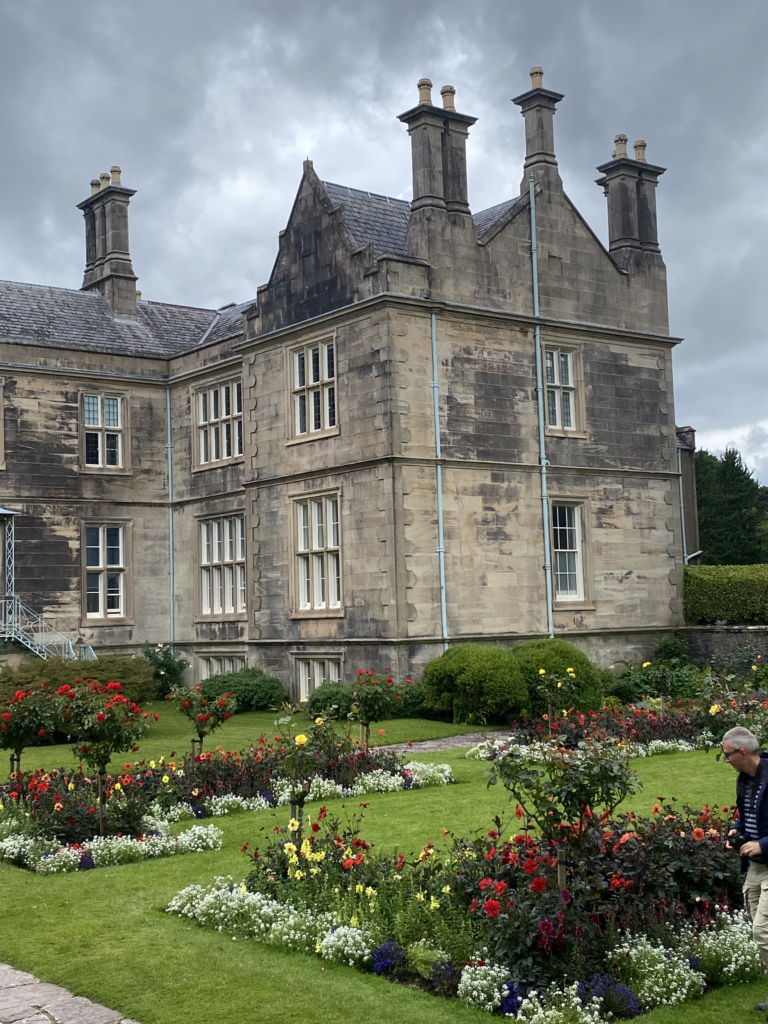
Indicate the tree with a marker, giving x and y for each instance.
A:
(733, 510)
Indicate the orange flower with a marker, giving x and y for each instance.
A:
(698, 834)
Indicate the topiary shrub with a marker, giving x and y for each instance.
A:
(337, 696)
(556, 657)
(253, 689)
(734, 594)
(137, 677)
(477, 683)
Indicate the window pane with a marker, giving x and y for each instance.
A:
(112, 449)
(204, 445)
(216, 588)
(565, 368)
(113, 545)
(330, 370)
(241, 588)
(238, 397)
(318, 571)
(227, 440)
(216, 450)
(565, 398)
(305, 684)
(215, 404)
(241, 538)
(92, 450)
(550, 361)
(300, 370)
(205, 529)
(302, 512)
(304, 581)
(333, 668)
(93, 545)
(229, 588)
(566, 578)
(318, 526)
(334, 580)
(333, 522)
(205, 668)
(315, 356)
(317, 414)
(114, 587)
(552, 408)
(93, 593)
(205, 579)
(111, 412)
(330, 407)
(301, 414)
(226, 399)
(204, 407)
(91, 410)
(238, 437)
(217, 549)
(230, 531)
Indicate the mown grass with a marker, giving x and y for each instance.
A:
(103, 933)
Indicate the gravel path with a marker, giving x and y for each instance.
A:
(464, 739)
(25, 1000)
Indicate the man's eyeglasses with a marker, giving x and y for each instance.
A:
(728, 754)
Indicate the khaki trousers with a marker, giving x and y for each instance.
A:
(756, 903)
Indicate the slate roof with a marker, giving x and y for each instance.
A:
(384, 221)
(373, 218)
(67, 318)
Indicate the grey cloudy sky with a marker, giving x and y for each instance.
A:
(210, 107)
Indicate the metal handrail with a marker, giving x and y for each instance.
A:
(23, 624)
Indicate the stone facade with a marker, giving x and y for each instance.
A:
(377, 313)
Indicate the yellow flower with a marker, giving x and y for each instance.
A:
(118, 787)
(646, 664)
(293, 860)
(569, 670)
(195, 791)
(243, 888)
(300, 740)
(314, 871)
(559, 686)
(289, 848)
(354, 922)
(370, 892)
(446, 890)
(58, 807)
(165, 780)
(754, 668)
(420, 897)
(542, 671)
(714, 709)
(434, 904)
(299, 875)
(359, 888)
(318, 721)
(151, 764)
(318, 948)
(71, 786)
(293, 825)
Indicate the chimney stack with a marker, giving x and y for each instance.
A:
(108, 267)
(438, 147)
(630, 187)
(538, 107)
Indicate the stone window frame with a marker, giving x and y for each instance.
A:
(236, 616)
(196, 390)
(294, 500)
(575, 351)
(124, 396)
(586, 601)
(239, 654)
(127, 618)
(298, 658)
(293, 389)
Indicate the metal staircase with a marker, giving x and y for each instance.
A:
(23, 624)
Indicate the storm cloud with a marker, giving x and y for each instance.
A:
(210, 109)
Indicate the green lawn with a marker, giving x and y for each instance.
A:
(103, 934)
(173, 732)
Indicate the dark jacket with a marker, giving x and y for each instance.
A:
(761, 811)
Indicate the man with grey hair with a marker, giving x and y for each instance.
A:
(750, 832)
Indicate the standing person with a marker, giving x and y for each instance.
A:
(750, 831)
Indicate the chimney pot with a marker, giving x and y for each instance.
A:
(620, 147)
(138, 295)
(425, 91)
(95, 186)
(537, 78)
(105, 179)
(448, 93)
(116, 172)
(640, 147)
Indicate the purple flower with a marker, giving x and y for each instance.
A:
(546, 927)
(566, 897)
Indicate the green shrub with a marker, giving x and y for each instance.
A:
(253, 689)
(137, 677)
(168, 669)
(477, 683)
(557, 656)
(671, 650)
(735, 594)
(337, 696)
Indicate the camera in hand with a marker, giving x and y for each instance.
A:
(737, 840)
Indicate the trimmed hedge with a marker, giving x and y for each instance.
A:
(136, 675)
(735, 594)
(476, 683)
(407, 700)
(557, 656)
(253, 689)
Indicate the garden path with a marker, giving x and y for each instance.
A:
(25, 1000)
(464, 739)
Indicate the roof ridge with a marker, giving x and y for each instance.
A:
(46, 287)
(371, 195)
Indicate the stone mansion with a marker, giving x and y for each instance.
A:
(423, 429)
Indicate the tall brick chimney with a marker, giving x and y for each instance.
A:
(108, 267)
(538, 107)
(630, 188)
(438, 148)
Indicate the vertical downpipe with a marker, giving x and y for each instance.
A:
(435, 385)
(543, 462)
(169, 450)
(682, 506)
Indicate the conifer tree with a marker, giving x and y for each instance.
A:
(733, 510)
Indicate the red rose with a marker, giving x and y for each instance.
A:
(492, 908)
(100, 717)
(41, 732)
(156, 716)
(315, 827)
(227, 716)
(185, 704)
(539, 884)
(222, 703)
(6, 716)
(201, 718)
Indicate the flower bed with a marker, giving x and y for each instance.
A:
(47, 857)
(536, 750)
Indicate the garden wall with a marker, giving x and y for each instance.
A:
(706, 641)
